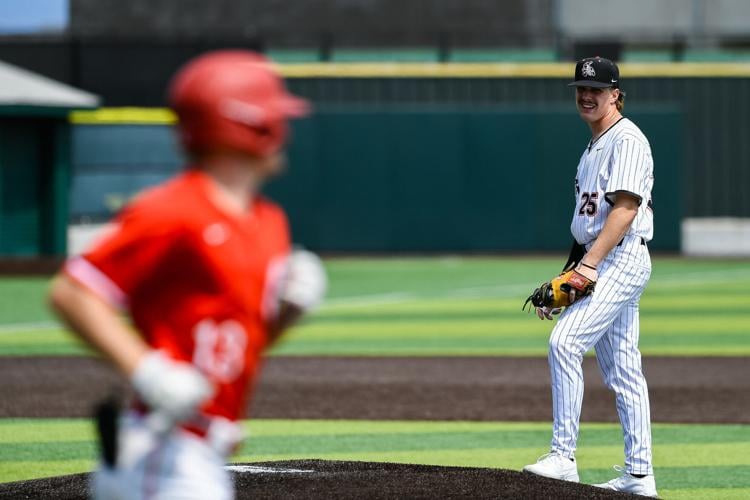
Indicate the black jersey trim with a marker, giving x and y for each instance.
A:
(611, 199)
(591, 143)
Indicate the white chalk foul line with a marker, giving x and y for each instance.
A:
(256, 469)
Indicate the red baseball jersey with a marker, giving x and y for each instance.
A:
(199, 283)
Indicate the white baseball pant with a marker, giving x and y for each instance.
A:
(178, 465)
(607, 321)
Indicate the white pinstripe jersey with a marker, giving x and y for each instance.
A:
(618, 161)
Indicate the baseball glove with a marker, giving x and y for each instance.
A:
(557, 292)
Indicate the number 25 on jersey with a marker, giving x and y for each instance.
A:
(588, 204)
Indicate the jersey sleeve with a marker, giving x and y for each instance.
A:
(630, 168)
(132, 247)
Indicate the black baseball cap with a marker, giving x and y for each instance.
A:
(596, 72)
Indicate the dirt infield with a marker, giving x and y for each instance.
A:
(317, 479)
(445, 388)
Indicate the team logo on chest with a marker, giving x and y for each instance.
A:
(215, 234)
(588, 70)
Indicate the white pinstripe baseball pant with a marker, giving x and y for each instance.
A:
(607, 321)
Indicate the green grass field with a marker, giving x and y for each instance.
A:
(453, 306)
(441, 306)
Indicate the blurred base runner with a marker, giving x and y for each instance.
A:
(203, 266)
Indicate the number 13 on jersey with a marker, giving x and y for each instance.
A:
(220, 349)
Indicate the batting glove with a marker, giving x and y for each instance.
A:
(306, 281)
(173, 390)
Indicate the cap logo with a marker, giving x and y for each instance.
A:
(587, 70)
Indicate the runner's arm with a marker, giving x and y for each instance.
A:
(97, 323)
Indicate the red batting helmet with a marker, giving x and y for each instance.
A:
(233, 99)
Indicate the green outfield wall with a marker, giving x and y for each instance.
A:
(715, 147)
(443, 179)
(453, 157)
(422, 178)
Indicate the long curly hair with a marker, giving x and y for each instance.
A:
(620, 103)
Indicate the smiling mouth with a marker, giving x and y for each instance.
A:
(587, 105)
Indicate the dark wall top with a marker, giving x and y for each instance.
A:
(284, 23)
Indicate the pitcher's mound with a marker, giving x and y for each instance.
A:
(321, 479)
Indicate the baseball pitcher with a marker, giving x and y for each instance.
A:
(602, 283)
(202, 266)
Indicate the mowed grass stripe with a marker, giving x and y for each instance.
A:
(18, 430)
(46, 341)
(61, 450)
(738, 313)
(23, 471)
(726, 493)
(721, 476)
(660, 325)
(731, 452)
(398, 302)
(433, 342)
(23, 300)
(738, 300)
(488, 318)
(48, 430)
(456, 346)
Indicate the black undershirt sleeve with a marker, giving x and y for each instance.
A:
(576, 254)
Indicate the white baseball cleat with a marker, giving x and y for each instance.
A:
(554, 466)
(626, 483)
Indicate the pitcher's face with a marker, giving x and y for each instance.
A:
(593, 104)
